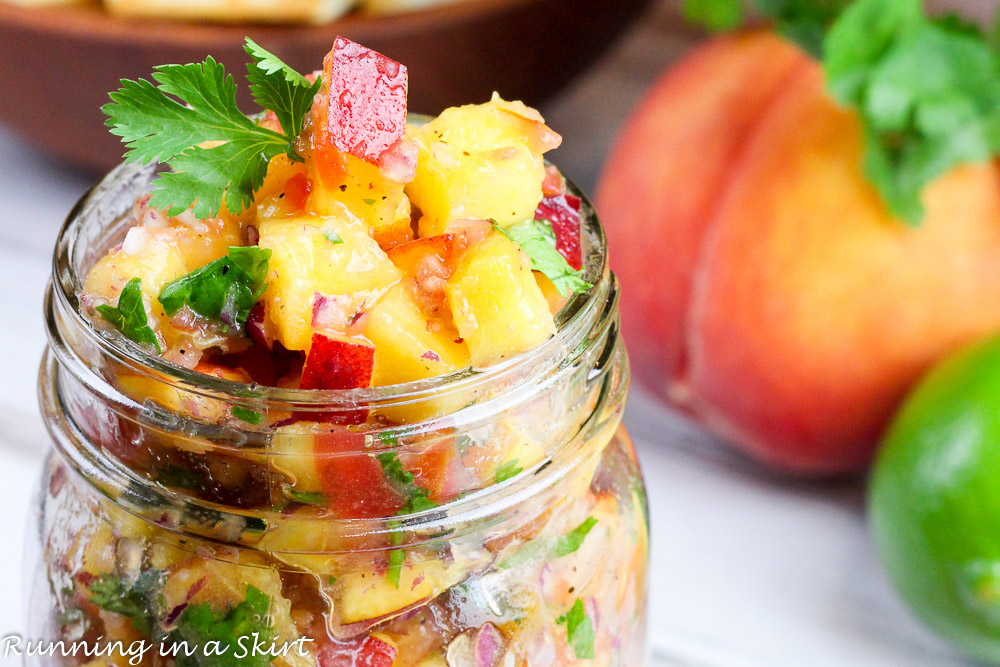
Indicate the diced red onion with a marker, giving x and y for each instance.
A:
(330, 312)
(489, 646)
(399, 162)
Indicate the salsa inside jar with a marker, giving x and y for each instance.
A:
(354, 390)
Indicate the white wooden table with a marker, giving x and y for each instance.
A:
(747, 571)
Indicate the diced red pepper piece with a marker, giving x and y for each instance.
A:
(367, 100)
(297, 189)
(353, 481)
(409, 255)
(439, 469)
(563, 212)
(337, 364)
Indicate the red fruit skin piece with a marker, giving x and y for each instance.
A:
(352, 480)
(563, 212)
(337, 364)
(367, 100)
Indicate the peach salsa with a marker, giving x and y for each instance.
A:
(335, 386)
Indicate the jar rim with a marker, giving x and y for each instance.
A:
(126, 182)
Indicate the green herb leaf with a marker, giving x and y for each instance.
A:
(224, 290)
(506, 470)
(579, 631)
(572, 540)
(135, 601)
(804, 22)
(332, 236)
(307, 497)
(928, 96)
(394, 471)
(278, 87)
(714, 15)
(200, 624)
(416, 501)
(247, 415)
(331, 580)
(538, 241)
(129, 316)
(157, 127)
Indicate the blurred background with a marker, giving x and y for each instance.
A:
(762, 553)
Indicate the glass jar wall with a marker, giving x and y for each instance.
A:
(484, 518)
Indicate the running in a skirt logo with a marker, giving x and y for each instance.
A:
(14, 645)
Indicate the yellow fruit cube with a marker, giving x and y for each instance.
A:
(360, 192)
(365, 595)
(480, 161)
(497, 306)
(307, 258)
(404, 349)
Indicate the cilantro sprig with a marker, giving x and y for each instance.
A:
(573, 540)
(538, 241)
(926, 89)
(225, 289)
(802, 21)
(129, 315)
(506, 470)
(156, 127)
(200, 624)
(416, 501)
(135, 600)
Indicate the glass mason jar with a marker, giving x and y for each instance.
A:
(180, 509)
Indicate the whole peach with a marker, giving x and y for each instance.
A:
(766, 291)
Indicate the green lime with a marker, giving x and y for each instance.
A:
(934, 500)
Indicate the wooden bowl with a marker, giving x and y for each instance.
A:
(57, 65)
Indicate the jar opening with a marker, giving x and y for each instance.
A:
(98, 220)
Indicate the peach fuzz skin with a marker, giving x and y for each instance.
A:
(766, 290)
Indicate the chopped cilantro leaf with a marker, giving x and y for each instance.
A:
(506, 470)
(307, 497)
(369, 201)
(416, 501)
(579, 630)
(332, 236)
(331, 580)
(129, 316)
(225, 289)
(247, 415)
(928, 95)
(394, 471)
(572, 540)
(157, 127)
(538, 241)
(278, 87)
(200, 624)
(135, 601)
